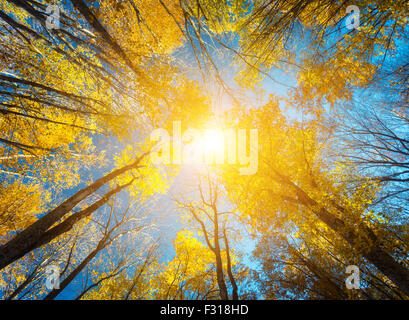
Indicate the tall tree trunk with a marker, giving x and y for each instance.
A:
(219, 264)
(33, 236)
(235, 295)
(22, 286)
(396, 272)
(55, 292)
(335, 291)
(98, 27)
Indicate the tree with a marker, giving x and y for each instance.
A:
(213, 224)
(116, 226)
(63, 87)
(304, 194)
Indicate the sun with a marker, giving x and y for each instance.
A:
(212, 141)
(204, 146)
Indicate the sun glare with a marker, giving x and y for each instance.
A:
(207, 144)
(213, 141)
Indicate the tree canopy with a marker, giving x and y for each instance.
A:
(195, 150)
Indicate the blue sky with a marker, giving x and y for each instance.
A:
(162, 209)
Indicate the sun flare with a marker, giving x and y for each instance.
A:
(205, 144)
(212, 141)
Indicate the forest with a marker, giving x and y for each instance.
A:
(204, 150)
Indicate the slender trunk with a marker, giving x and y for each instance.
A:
(335, 292)
(69, 223)
(22, 286)
(219, 264)
(220, 277)
(33, 236)
(98, 27)
(96, 284)
(140, 272)
(229, 272)
(55, 292)
(396, 272)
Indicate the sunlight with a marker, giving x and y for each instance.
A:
(204, 150)
(203, 146)
(212, 141)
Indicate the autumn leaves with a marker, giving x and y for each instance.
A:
(91, 119)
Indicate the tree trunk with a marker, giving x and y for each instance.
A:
(219, 264)
(396, 272)
(28, 239)
(55, 292)
(235, 295)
